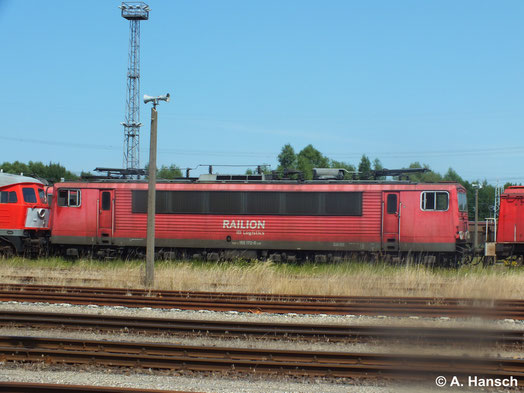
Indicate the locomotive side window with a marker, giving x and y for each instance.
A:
(442, 201)
(391, 204)
(12, 197)
(69, 198)
(462, 202)
(29, 195)
(435, 200)
(41, 194)
(429, 200)
(62, 198)
(8, 197)
(74, 198)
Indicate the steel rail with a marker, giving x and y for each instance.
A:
(381, 306)
(252, 361)
(168, 294)
(29, 387)
(265, 330)
(270, 307)
(66, 277)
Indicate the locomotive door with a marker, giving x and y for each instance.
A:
(105, 216)
(519, 216)
(390, 221)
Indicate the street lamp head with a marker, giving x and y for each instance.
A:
(155, 100)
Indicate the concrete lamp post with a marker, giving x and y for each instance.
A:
(151, 192)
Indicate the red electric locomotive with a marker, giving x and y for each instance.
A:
(24, 215)
(218, 218)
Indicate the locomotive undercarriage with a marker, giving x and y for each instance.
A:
(30, 244)
(445, 259)
(511, 254)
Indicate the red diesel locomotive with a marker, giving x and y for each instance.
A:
(282, 220)
(24, 215)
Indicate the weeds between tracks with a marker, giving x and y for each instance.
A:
(348, 278)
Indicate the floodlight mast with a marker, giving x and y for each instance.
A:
(134, 12)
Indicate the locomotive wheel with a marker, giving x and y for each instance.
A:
(466, 259)
(7, 251)
(517, 261)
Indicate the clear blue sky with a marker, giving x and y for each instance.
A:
(440, 82)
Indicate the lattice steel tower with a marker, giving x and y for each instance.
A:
(134, 12)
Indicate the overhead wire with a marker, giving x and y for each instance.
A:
(390, 154)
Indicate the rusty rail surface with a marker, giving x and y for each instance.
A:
(256, 303)
(28, 387)
(252, 361)
(266, 330)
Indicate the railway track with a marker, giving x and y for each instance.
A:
(24, 387)
(244, 361)
(268, 330)
(258, 303)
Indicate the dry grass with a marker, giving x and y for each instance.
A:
(266, 277)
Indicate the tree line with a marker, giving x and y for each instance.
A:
(304, 161)
(54, 172)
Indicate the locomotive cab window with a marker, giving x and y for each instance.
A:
(70, 198)
(391, 204)
(462, 201)
(8, 197)
(29, 195)
(434, 200)
(42, 196)
(12, 197)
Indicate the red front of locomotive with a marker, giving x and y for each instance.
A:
(24, 213)
(331, 218)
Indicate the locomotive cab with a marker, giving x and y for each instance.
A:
(24, 214)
